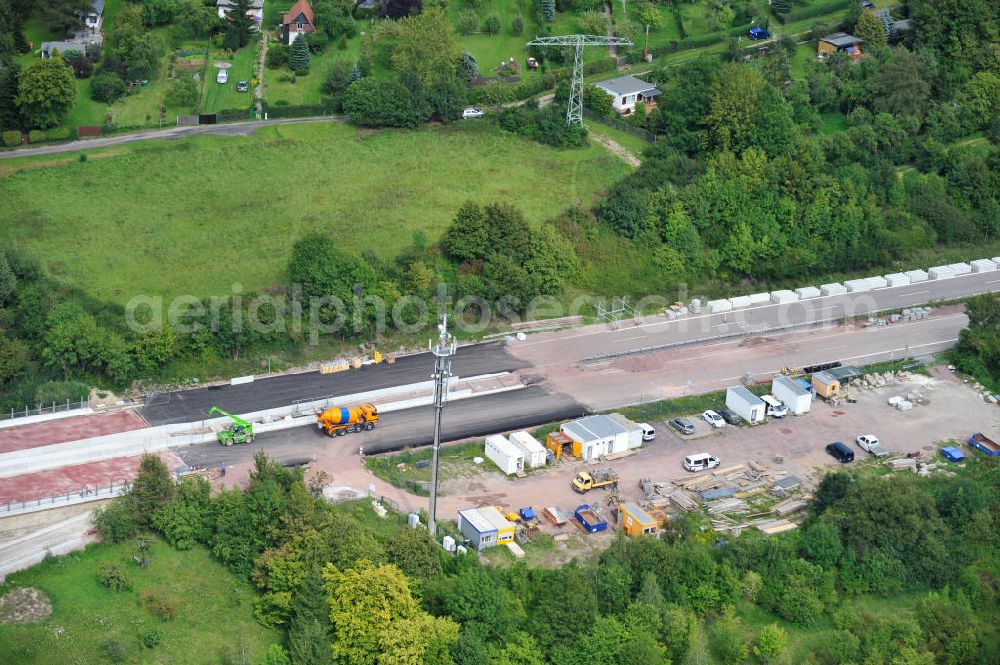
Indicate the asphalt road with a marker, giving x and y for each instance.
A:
(192, 405)
(472, 417)
(228, 129)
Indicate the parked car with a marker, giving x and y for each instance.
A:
(648, 433)
(472, 112)
(713, 419)
(682, 425)
(242, 86)
(701, 462)
(222, 76)
(729, 416)
(870, 443)
(840, 452)
(759, 33)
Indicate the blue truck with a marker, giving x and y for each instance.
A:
(591, 521)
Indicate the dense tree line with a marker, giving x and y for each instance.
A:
(346, 595)
(978, 348)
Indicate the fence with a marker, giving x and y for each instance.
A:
(81, 495)
(620, 125)
(42, 409)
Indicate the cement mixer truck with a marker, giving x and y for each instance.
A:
(338, 420)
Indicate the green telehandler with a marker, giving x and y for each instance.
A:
(240, 431)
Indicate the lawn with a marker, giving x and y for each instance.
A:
(214, 610)
(223, 96)
(210, 211)
(278, 85)
(804, 54)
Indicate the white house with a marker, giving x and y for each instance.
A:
(627, 91)
(504, 454)
(256, 8)
(530, 447)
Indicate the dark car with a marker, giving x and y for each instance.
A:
(682, 425)
(242, 86)
(729, 416)
(840, 452)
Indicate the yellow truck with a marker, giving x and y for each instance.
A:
(589, 480)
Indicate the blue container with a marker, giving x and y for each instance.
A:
(527, 513)
(953, 454)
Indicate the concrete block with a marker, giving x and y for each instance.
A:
(857, 285)
(897, 279)
(695, 306)
(895, 318)
(739, 302)
(759, 298)
(960, 268)
(940, 272)
(916, 276)
(805, 292)
(783, 297)
(716, 306)
(983, 265)
(878, 282)
(833, 289)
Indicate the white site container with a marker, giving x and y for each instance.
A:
(783, 297)
(916, 276)
(533, 450)
(897, 279)
(759, 298)
(940, 272)
(716, 306)
(857, 285)
(878, 282)
(806, 292)
(983, 265)
(833, 289)
(747, 406)
(792, 394)
(504, 454)
(739, 302)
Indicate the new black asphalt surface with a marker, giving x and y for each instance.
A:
(471, 417)
(192, 405)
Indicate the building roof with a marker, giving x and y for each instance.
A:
(300, 7)
(637, 512)
(530, 443)
(98, 7)
(841, 39)
(493, 516)
(845, 373)
(747, 396)
(500, 442)
(624, 422)
(825, 377)
(477, 520)
(794, 386)
(367, 4)
(593, 428)
(628, 85)
(229, 4)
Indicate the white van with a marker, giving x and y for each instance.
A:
(700, 462)
(775, 409)
(222, 76)
(648, 433)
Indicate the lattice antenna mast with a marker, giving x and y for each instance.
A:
(443, 352)
(574, 112)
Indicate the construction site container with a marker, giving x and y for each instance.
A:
(953, 454)
(558, 442)
(596, 436)
(833, 289)
(747, 406)
(805, 292)
(589, 518)
(634, 429)
(504, 454)
(504, 527)
(825, 385)
(897, 279)
(478, 530)
(857, 285)
(795, 397)
(983, 265)
(636, 521)
(940, 272)
(783, 297)
(533, 451)
(984, 444)
(916, 275)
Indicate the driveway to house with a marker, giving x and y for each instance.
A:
(234, 129)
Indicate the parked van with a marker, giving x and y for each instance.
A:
(222, 76)
(648, 433)
(840, 452)
(775, 409)
(700, 462)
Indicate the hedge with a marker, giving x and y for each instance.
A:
(36, 136)
(298, 111)
(12, 138)
(818, 8)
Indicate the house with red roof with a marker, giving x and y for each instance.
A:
(297, 21)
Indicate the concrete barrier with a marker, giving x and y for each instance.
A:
(806, 292)
(897, 279)
(18, 421)
(739, 302)
(916, 276)
(833, 289)
(960, 268)
(858, 285)
(239, 380)
(716, 306)
(783, 297)
(760, 298)
(878, 282)
(983, 265)
(940, 272)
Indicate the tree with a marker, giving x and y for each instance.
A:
(72, 338)
(45, 92)
(401, 8)
(517, 25)
(107, 87)
(299, 57)
(869, 28)
(378, 103)
(491, 25)
(10, 74)
(467, 237)
(415, 553)
(13, 359)
(781, 6)
(733, 106)
(186, 519)
(821, 544)
(309, 634)
(771, 642)
(650, 18)
(64, 17)
(152, 488)
(548, 10)
(520, 649)
(241, 18)
(426, 45)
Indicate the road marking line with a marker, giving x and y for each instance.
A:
(625, 339)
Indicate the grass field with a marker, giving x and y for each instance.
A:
(211, 211)
(223, 96)
(214, 610)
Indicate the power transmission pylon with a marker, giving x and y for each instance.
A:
(574, 112)
(443, 352)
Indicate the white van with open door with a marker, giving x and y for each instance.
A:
(701, 462)
(775, 409)
(648, 433)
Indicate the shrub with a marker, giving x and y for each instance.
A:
(59, 133)
(83, 156)
(36, 136)
(302, 71)
(151, 637)
(114, 650)
(318, 41)
(114, 577)
(277, 57)
(82, 66)
(468, 21)
(491, 25)
(517, 25)
(158, 606)
(118, 521)
(12, 138)
(183, 91)
(107, 87)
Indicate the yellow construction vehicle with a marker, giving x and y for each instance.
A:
(339, 420)
(586, 481)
